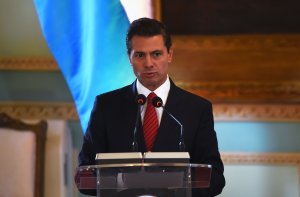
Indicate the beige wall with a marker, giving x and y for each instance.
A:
(20, 33)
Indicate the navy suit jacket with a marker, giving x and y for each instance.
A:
(113, 119)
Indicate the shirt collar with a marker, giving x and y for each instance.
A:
(162, 91)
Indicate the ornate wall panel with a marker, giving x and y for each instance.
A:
(261, 58)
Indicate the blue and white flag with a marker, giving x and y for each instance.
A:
(87, 40)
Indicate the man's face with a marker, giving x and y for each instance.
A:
(150, 60)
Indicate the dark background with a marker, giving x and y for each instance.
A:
(220, 17)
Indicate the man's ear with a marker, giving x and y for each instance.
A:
(128, 54)
(170, 55)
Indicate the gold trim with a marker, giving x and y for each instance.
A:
(261, 158)
(259, 112)
(246, 91)
(26, 110)
(222, 112)
(28, 64)
(238, 42)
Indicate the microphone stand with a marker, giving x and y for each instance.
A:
(140, 100)
(181, 139)
(135, 146)
(157, 102)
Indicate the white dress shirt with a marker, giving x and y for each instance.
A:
(162, 92)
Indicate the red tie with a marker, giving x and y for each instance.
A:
(150, 123)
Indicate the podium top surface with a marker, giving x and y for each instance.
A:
(133, 165)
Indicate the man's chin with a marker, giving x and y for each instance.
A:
(151, 85)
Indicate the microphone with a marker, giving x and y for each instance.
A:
(140, 100)
(157, 102)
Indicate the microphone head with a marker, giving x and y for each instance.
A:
(141, 99)
(157, 102)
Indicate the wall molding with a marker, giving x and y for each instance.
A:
(238, 42)
(245, 91)
(38, 110)
(222, 112)
(256, 112)
(260, 158)
(28, 64)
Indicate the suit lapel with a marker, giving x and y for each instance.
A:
(132, 115)
(168, 125)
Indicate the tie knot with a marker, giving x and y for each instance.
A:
(151, 96)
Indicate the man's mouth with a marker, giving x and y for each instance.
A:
(149, 74)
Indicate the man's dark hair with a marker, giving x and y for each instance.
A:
(147, 27)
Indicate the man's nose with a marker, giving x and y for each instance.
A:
(149, 61)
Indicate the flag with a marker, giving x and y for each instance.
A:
(87, 40)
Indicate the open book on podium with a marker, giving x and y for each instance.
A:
(147, 157)
(153, 171)
(119, 158)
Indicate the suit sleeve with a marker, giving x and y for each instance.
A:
(206, 151)
(94, 140)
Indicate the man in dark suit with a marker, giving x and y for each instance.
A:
(114, 114)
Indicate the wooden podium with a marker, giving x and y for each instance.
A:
(143, 179)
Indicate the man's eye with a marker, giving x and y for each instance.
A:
(139, 55)
(157, 54)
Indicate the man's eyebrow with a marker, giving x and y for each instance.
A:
(157, 50)
(154, 51)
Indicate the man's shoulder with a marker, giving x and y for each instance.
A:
(116, 94)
